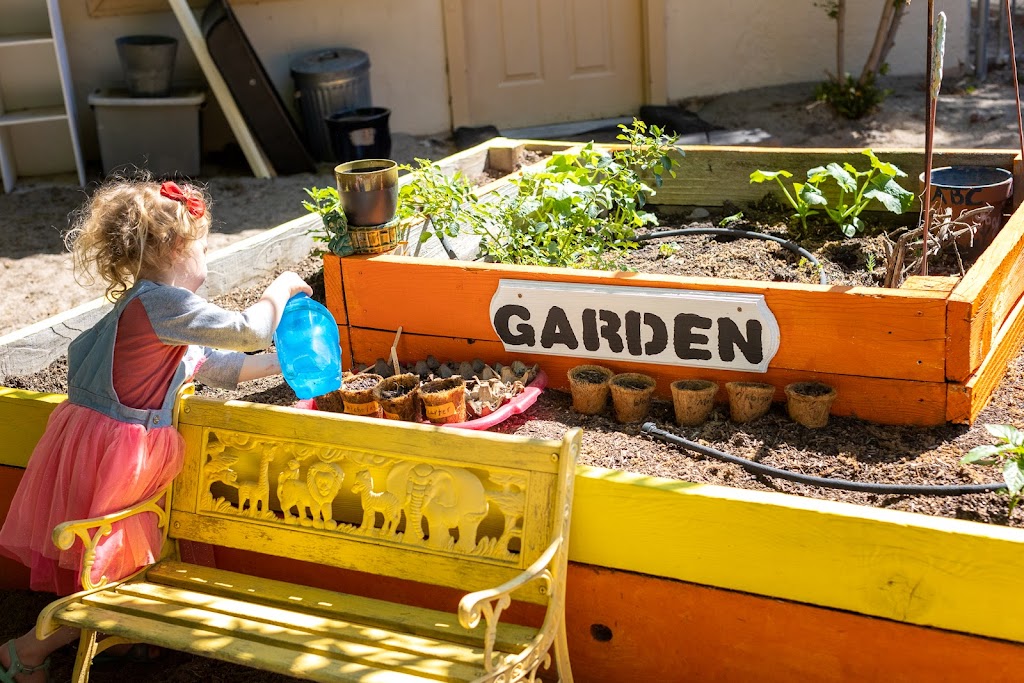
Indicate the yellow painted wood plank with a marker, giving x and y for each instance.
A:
(373, 435)
(708, 176)
(913, 568)
(23, 416)
(330, 604)
(336, 639)
(226, 645)
(186, 484)
(464, 572)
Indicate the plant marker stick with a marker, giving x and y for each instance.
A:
(936, 48)
(1016, 83)
(394, 351)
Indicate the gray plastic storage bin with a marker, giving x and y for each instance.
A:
(328, 81)
(157, 133)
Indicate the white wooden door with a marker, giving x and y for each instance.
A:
(515, 63)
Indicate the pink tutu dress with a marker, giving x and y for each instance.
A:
(100, 453)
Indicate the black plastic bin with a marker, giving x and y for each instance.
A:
(361, 133)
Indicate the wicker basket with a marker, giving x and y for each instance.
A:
(375, 239)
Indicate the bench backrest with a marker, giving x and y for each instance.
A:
(443, 506)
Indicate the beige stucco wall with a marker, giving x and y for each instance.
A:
(729, 45)
(712, 48)
(404, 38)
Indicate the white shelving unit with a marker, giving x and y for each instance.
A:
(38, 128)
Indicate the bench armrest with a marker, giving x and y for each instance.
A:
(90, 531)
(490, 602)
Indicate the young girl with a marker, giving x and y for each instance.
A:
(111, 444)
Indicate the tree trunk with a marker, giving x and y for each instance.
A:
(885, 37)
(840, 40)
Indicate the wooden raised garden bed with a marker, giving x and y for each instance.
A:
(930, 352)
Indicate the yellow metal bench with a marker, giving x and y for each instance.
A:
(487, 514)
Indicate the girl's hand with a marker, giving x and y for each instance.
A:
(288, 284)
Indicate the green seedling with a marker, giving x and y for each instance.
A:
(729, 220)
(856, 191)
(803, 199)
(1008, 455)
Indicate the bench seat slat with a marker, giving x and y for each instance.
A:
(315, 626)
(227, 645)
(290, 629)
(418, 621)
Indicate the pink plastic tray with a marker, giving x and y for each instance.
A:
(517, 405)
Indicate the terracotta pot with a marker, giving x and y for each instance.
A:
(589, 387)
(749, 400)
(631, 396)
(444, 400)
(355, 397)
(693, 400)
(399, 398)
(962, 188)
(368, 191)
(809, 402)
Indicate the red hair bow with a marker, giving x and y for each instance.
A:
(195, 205)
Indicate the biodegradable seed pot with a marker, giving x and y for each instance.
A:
(355, 397)
(589, 387)
(749, 400)
(809, 402)
(631, 396)
(398, 397)
(693, 400)
(444, 400)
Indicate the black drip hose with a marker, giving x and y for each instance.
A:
(844, 484)
(731, 232)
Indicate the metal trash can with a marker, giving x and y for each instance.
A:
(327, 81)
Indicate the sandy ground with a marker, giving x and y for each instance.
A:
(38, 281)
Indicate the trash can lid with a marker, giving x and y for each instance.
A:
(331, 61)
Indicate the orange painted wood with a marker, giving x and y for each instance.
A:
(345, 340)
(664, 630)
(981, 303)
(13, 574)
(966, 400)
(881, 400)
(335, 294)
(837, 330)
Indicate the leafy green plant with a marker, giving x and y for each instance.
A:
(582, 206)
(858, 188)
(446, 202)
(1009, 455)
(667, 249)
(856, 191)
(803, 199)
(852, 98)
(333, 231)
(729, 220)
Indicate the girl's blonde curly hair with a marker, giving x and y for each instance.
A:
(128, 227)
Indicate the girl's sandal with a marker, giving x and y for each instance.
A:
(17, 667)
